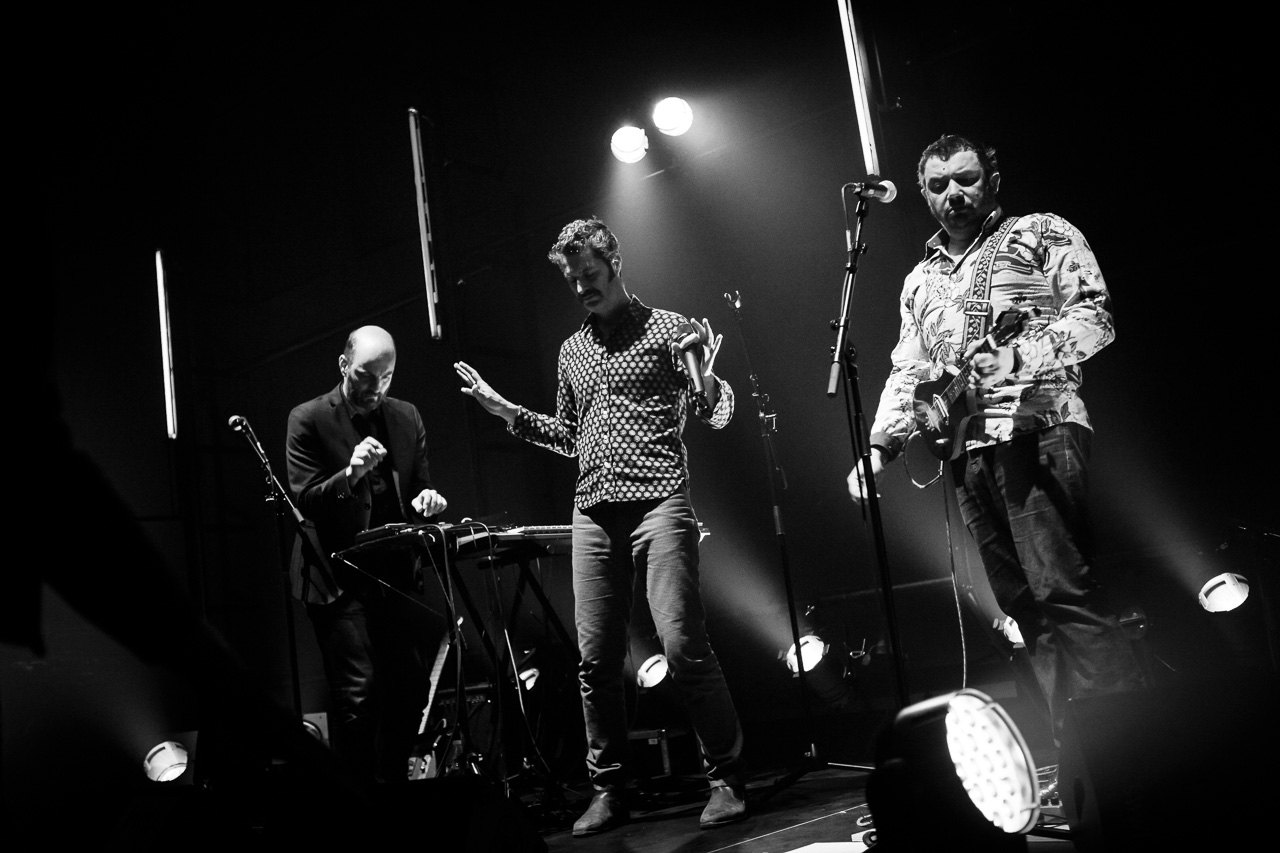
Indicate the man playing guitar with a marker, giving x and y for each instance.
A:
(1011, 422)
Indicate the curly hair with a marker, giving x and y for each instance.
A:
(949, 145)
(586, 232)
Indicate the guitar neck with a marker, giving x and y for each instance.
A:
(958, 385)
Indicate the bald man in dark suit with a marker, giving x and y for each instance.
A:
(357, 460)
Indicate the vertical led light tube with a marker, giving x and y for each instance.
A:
(166, 349)
(424, 222)
(859, 75)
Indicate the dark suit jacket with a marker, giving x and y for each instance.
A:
(319, 446)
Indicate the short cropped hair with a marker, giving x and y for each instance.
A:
(949, 145)
(586, 233)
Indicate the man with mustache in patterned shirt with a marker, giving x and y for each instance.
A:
(621, 403)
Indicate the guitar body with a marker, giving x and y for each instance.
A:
(940, 424)
(944, 406)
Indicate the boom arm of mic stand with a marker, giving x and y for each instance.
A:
(279, 495)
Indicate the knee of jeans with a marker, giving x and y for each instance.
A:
(690, 657)
(600, 669)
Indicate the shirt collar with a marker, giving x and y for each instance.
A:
(635, 311)
(374, 418)
(937, 243)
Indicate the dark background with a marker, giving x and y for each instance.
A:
(269, 158)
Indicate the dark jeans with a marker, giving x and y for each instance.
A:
(376, 647)
(658, 539)
(1025, 503)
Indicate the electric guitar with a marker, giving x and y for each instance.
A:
(943, 408)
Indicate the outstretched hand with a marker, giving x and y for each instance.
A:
(475, 386)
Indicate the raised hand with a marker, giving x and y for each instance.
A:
(366, 456)
(710, 344)
(475, 386)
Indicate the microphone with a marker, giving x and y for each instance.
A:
(688, 341)
(880, 190)
(238, 423)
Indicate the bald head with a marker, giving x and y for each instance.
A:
(367, 365)
(370, 342)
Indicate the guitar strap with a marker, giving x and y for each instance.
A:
(977, 305)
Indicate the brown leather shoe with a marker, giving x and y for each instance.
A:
(604, 813)
(727, 805)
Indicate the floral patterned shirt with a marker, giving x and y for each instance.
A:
(621, 404)
(1044, 263)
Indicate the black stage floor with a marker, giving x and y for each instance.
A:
(823, 811)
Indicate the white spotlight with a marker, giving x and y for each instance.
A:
(629, 144)
(166, 761)
(1225, 592)
(673, 116)
(812, 649)
(652, 671)
(992, 761)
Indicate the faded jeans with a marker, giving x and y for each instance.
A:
(658, 539)
(1025, 503)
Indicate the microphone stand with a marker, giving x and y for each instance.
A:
(276, 494)
(844, 363)
(777, 484)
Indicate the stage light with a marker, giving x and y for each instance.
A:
(953, 766)
(826, 671)
(166, 761)
(629, 144)
(646, 654)
(855, 50)
(659, 704)
(812, 651)
(993, 761)
(652, 672)
(672, 116)
(166, 349)
(1224, 592)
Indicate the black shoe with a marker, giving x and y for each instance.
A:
(605, 812)
(727, 805)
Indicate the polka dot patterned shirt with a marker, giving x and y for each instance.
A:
(621, 405)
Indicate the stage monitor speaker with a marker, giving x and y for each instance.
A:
(1187, 766)
(461, 812)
